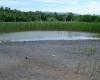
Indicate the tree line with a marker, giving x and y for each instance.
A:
(9, 15)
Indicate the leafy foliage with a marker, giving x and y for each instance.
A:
(8, 15)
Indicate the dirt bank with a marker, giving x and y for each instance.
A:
(50, 60)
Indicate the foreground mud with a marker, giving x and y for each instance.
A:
(50, 60)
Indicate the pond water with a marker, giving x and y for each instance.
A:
(47, 35)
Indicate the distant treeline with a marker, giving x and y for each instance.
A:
(9, 15)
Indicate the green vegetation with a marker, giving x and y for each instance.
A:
(15, 20)
(65, 26)
(90, 51)
(8, 15)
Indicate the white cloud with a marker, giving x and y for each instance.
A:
(48, 1)
(92, 7)
(57, 1)
(12, 2)
(76, 6)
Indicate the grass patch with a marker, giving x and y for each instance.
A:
(90, 51)
(62, 26)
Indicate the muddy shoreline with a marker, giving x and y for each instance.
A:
(50, 60)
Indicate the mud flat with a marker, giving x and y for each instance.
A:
(50, 60)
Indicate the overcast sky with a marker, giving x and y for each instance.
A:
(76, 6)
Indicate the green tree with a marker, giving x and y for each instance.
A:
(69, 16)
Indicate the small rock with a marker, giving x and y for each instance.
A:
(26, 57)
(53, 55)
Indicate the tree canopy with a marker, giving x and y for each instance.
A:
(9, 15)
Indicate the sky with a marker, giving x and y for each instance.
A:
(75, 6)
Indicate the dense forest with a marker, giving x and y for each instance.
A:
(9, 15)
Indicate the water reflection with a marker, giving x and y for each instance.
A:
(47, 35)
